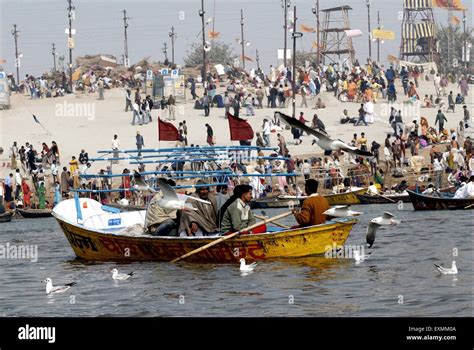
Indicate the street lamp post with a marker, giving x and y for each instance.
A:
(242, 37)
(315, 11)
(295, 35)
(203, 72)
(285, 4)
(368, 21)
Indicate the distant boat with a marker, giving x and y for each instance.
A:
(7, 216)
(34, 213)
(274, 202)
(346, 198)
(106, 236)
(385, 198)
(424, 202)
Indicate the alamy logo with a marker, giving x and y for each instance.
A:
(81, 110)
(37, 333)
(21, 251)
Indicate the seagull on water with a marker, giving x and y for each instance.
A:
(321, 139)
(342, 211)
(387, 219)
(120, 276)
(360, 258)
(448, 271)
(174, 201)
(246, 268)
(55, 290)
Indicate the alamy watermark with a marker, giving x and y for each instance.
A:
(21, 251)
(75, 109)
(343, 251)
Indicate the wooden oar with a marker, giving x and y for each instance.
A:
(389, 199)
(469, 206)
(274, 223)
(251, 227)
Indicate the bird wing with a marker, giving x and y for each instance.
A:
(440, 268)
(252, 265)
(59, 289)
(71, 284)
(295, 123)
(371, 231)
(131, 273)
(387, 215)
(355, 151)
(185, 197)
(341, 206)
(168, 192)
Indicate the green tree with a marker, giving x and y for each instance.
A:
(220, 53)
(455, 58)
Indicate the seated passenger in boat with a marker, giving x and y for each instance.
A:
(160, 221)
(203, 221)
(372, 190)
(430, 190)
(236, 213)
(311, 212)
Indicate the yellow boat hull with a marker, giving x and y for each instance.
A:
(348, 198)
(300, 242)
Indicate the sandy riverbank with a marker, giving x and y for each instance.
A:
(81, 121)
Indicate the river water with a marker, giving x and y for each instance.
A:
(399, 278)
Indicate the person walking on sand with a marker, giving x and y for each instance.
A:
(115, 148)
(139, 142)
(210, 135)
(128, 100)
(171, 107)
(440, 119)
(100, 84)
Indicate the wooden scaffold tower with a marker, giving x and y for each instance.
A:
(336, 45)
(419, 43)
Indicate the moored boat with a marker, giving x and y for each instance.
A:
(34, 213)
(382, 199)
(424, 202)
(346, 198)
(103, 235)
(7, 216)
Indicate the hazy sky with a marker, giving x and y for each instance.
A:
(99, 27)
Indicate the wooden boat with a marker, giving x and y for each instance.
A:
(377, 199)
(34, 213)
(424, 202)
(103, 235)
(7, 216)
(274, 202)
(346, 198)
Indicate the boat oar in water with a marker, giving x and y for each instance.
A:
(387, 198)
(222, 239)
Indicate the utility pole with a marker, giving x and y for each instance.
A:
(17, 59)
(318, 49)
(295, 35)
(203, 72)
(464, 40)
(126, 61)
(242, 37)
(54, 57)
(172, 35)
(285, 4)
(70, 41)
(165, 51)
(257, 57)
(368, 22)
(378, 40)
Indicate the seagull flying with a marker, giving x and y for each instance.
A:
(140, 182)
(120, 276)
(360, 258)
(246, 268)
(387, 219)
(55, 290)
(321, 139)
(174, 201)
(342, 211)
(446, 271)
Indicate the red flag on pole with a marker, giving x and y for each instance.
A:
(240, 129)
(167, 131)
